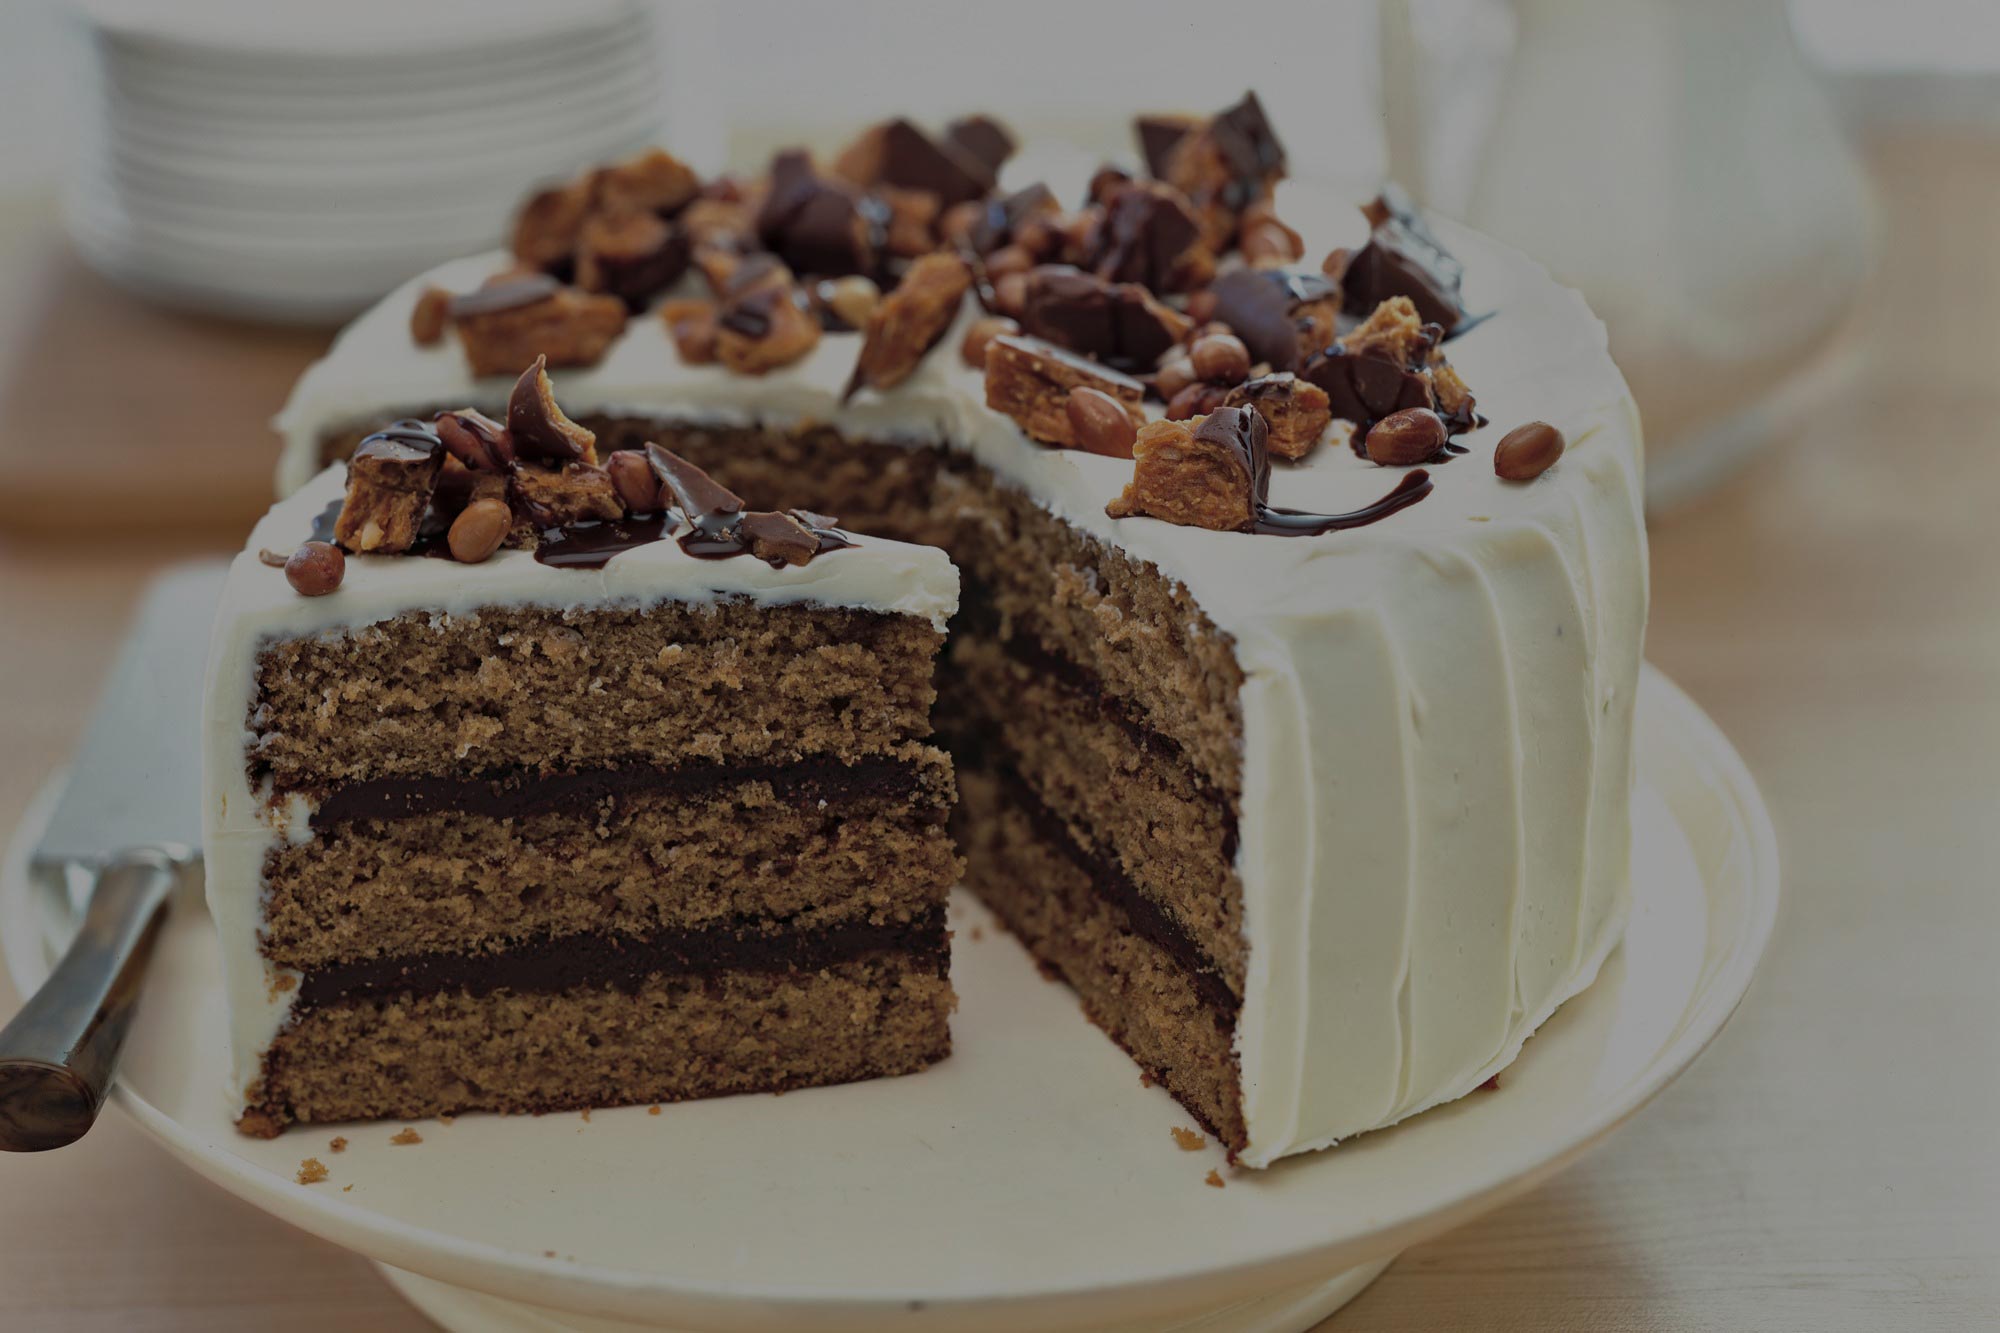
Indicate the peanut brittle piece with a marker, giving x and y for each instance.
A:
(655, 181)
(569, 327)
(389, 483)
(1199, 474)
(910, 321)
(1394, 331)
(763, 324)
(1030, 380)
(1295, 411)
(558, 497)
(633, 256)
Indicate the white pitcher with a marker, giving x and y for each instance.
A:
(1673, 159)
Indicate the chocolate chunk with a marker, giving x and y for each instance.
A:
(983, 139)
(1267, 307)
(1120, 324)
(1364, 389)
(777, 539)
(1000, 218)
(1404, 258)
(509, 292)
(708, 504)
(898, 153)
(538, 427)
(815, 225)
(1159, 136)
(1147, 230)
(1244, 135)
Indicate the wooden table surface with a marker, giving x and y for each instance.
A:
(1832, 1163)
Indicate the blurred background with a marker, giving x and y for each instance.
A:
(1786, 213)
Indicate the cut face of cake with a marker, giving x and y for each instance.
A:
(1291, 714)
(598, 822)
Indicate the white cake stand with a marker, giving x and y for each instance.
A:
(1027, 1182)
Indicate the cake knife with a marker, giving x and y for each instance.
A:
(124, 835)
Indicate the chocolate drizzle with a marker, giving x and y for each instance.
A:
(1274, 522)
(719, 527)
(1404, 258)
(1242, 431)
(408, 439)
(591, 545)
(506, 294)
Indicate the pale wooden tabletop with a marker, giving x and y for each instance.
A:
(1830, 1164)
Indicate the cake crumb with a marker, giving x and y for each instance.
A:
(548, 1254)
(978, 933)
(1146, 1079)
(337, 1144)
(406, 1135)
(1212, 1178)
(312, 1171)
(652, 1110)
(445, 1118)
(347, 1189)
(586, 1115)
(1188, 1140)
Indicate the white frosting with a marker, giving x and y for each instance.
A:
(1437, 709)
(240, 826)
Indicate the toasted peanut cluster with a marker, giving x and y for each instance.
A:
(1389, 363)
(466, 485)
(1172, 291)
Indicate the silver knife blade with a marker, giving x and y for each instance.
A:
(136, 779)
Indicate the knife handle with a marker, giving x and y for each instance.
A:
(58, 1054)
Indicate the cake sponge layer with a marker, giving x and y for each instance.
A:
(670, 1039)
(758, 848)
(421, 694)
(1136, 990)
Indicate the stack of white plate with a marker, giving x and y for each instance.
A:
(294, 162)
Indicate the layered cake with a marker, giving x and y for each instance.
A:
(1290, 696)
(570, 782)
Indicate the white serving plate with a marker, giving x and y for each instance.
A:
(1027, 1182)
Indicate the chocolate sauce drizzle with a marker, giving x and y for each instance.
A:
(591, 545)
(1274, 522)
(1242, 431)
(507, 294)
(718, 525)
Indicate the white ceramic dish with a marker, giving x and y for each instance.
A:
(1027, 1182)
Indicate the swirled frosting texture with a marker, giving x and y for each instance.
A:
(1437, 709)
